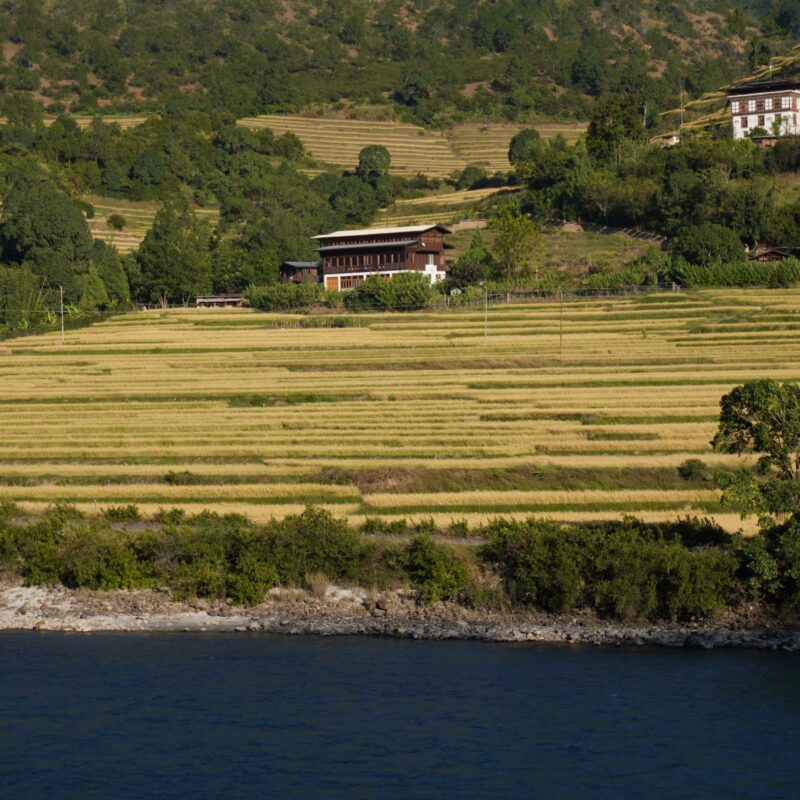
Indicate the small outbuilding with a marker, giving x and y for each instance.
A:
(219, 301)
(301, 272)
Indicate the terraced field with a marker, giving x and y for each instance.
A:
(396, 415)
(437, 208)
(138, 220)
(487, 145)
(413, 149)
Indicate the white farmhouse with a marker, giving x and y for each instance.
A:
(768, 107)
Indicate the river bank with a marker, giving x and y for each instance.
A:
(345, 612)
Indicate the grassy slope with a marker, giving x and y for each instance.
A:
(405, 414)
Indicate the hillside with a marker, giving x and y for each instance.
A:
(438, 61)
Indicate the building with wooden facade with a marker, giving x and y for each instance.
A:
(349, 257)
(768, 107)
(300, 272)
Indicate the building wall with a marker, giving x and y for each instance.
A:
(344, 281)
(762, 110)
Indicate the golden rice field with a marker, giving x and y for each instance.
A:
(399, 415)
(138, 220)
(413, 149)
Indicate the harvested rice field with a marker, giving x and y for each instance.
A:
(394, 415)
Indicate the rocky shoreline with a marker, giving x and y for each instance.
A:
(349, 612)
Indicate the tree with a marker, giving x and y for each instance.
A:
(43, 228)
(355, 201)
(109, 268)
(615, 119)
(515, 236)
(762, 417)
(472, 267)
(174, 257)
(524, 146)
(707, 244)
(471, 177)
(374, 161)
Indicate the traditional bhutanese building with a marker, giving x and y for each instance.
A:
(349, 257)
(771, 106)
(300, 272)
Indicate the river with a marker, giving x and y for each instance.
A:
(256, 716)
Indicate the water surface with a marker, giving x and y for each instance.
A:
(240, 716)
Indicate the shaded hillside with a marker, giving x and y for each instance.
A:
(437, 60)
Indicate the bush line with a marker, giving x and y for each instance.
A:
(624, 570)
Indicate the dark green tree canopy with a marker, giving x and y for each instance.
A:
(524, 146)
(174, 257)
(707, 244)
(374, 161)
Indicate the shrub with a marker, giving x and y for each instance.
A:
(693, 469)
(284, 296)
(540, 563)
(433, 569)
(406, 291)
(770, 567)
(182, 478)
(129, 513)
(740, 273)
(627, 571)
(116, 221)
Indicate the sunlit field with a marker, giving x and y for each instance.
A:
(398, 415)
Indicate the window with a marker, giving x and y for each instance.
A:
(761, 121)
(751, 105)
(744, 122)
(785, 102)
(734, 106)
(768, 104)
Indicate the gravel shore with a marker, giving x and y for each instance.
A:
(346, 612)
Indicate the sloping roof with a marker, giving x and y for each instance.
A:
(338, 248)
(755, 87)
(300, 264)
(382, 231)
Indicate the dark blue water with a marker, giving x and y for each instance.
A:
(194, 716)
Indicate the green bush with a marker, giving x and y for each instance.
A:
(406, 291)
(540, 563)
(129, 513)
(628, 571)
(770, 567)
(285, 296)
(693, 469)
(740, 273)
(433, 569)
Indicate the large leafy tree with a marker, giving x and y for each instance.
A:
(514, 241)
(174, 258)
(762, 417)
(42, 228)
(616, 119)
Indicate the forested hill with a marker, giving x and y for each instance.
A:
(437, 60)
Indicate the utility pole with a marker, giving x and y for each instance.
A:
(61, 293)
(485, 315)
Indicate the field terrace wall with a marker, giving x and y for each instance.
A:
(349, 257)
